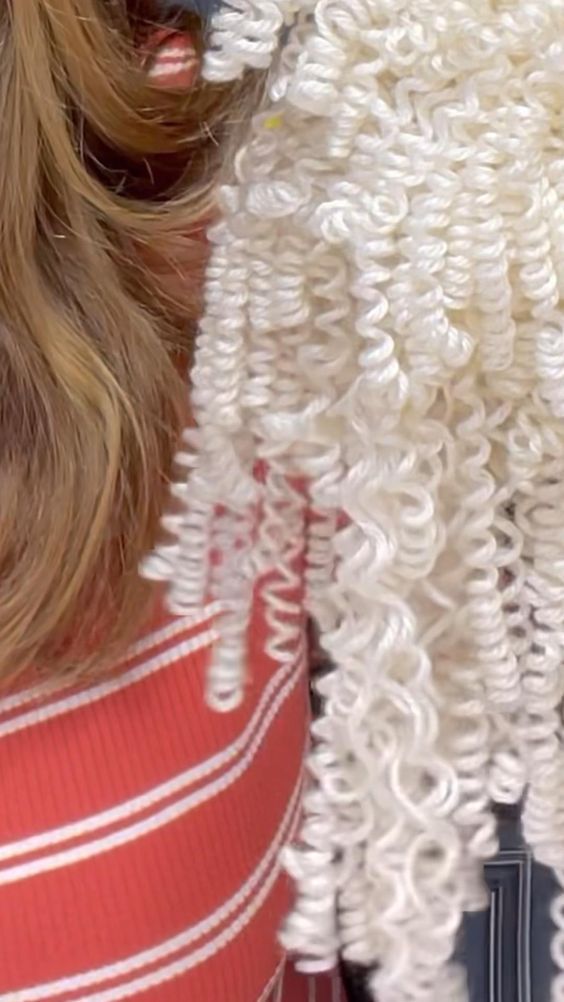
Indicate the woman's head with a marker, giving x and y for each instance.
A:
(103, 179)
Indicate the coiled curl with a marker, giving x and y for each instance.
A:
(391, 343)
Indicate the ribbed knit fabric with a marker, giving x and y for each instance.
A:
(140, 831)
(171, 59)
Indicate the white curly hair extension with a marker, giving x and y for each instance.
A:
(379, 381)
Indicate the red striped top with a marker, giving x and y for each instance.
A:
(140, 831)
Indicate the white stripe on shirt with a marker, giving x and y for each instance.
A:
(267, 871)
(155, 795)
(85, 697)
(153, 639)
(167, 815)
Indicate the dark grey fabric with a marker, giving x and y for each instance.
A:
(204, 8)
(496, 944)
(354, 979)
(506, 948)
(543, 891)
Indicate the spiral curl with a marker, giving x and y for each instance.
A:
(379, 386)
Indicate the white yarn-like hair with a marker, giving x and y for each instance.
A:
(384, 340)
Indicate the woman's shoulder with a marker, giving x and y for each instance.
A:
(128, 786)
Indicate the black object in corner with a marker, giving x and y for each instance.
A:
(354, 980)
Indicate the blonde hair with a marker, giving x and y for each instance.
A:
(384, 336)
(104, 180)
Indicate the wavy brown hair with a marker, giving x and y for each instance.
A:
(104, 184)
